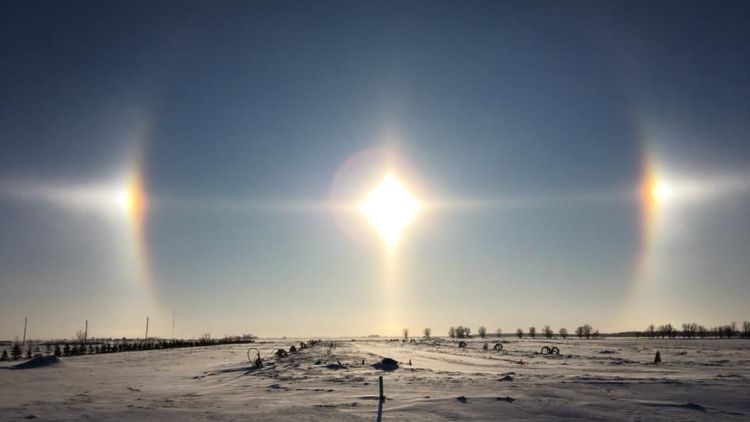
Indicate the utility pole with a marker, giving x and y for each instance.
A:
(25, 322)
(86, 332)
(146, 329)
(173, 315)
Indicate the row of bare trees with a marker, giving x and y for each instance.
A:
(465, 332)
(99, 346)
(689, 330)
(694, 330)
(459, 332)
(584, 331)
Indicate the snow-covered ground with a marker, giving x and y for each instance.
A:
(605, 379)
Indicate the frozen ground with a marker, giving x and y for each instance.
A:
(607, 379)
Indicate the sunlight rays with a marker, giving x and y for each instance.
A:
(389, 208)
(664, 194)
(384, 195)
(119, 200)
(134, 203)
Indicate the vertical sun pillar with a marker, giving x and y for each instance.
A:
(654, 196)
(390, 208)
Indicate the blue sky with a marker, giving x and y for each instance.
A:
(554, 105)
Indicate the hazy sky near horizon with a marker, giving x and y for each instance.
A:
(238, 119)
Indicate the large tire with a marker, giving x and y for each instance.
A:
(546, 350)
(555, 351)
(257, 362)
(281, 353)
(498, 346)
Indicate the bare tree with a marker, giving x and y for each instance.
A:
(452, 332)
(584, 330)
(80, 336)
(460, 331)
(650, 331)
(519, 333)
(729, 331)
(563, 333)
(547, 331)
(427, 332)
(406, 333)
(499, 332)
(587, 330)
(746, 329)
(725, 331)
(693, 326)
(701, 331)
(482, 332)
(689, 330)
(532, 332)
(669, 330)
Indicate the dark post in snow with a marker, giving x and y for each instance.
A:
(25, 321)
(380, 383)
(657, 358)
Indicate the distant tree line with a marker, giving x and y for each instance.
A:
(465, 332)
(585, 330)
(689, 330)
(582, 331)
(694, 330)
(459, 332)
(100, 346)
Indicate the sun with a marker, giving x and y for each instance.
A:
(131, 198)
(658, 191)
(661, 191)
(389, 208)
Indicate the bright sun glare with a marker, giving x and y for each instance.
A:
(390, 207)
(131, 198)
(124, 199)
(661, 191)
